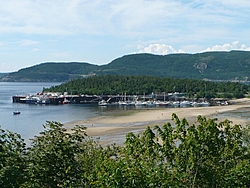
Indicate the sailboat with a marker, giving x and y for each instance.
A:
(205, 103)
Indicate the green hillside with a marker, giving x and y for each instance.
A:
(234, 65)
(210, 65)
(2, 74)
(52, 72)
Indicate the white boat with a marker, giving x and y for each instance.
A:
(107, 103)
(157, 103)
(205, 103)
(196, 104)
(139, 103)
(185, 104)
(30, 99)
(122, 103)
(102, 103)
(66, 101)
(150, 103)
(175, 104)
(43, 101)
(16, 112)
(130, 103)
(164, 103)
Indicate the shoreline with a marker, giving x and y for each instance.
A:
(112, 128)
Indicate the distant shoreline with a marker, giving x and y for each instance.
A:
(113, 128)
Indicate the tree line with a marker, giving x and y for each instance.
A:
(133, 85)
(177, 154)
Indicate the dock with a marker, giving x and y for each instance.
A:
(56, 99)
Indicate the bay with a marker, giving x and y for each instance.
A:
(32, 118)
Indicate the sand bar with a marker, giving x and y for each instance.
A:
(113, 128)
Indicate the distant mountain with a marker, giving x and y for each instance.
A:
(234, 65)
(51, 72)
(2, 74)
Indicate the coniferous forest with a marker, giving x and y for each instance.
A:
(133, 85)
(177, 154)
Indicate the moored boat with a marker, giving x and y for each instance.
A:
(164, 103)
(205, 103)
(102, 103)
(175, 104)
(196, 104)
(16, 112)
(43, 101)
(185, 104)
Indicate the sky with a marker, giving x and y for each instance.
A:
(99, 31)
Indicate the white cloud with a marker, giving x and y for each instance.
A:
(28, 42)
(60, 55)
(6, 68)
(227, 47)
(238, 3)
(113, 28)
(161, 49)
(115, 17)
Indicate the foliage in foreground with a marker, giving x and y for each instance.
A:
(208, 154)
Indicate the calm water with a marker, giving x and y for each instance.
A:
(32, 118)
(29, 122)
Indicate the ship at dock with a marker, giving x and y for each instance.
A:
(164, 100)
(55, 99)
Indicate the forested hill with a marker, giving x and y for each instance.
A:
(2, 74)
(234, 65)
(51, 72)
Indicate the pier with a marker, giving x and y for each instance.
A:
(57, 98)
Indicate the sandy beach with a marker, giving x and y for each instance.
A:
(113, 128)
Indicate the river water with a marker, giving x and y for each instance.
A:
(32, 118)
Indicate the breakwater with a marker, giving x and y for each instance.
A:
(56, 99)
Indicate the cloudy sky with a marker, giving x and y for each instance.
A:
(99, 31)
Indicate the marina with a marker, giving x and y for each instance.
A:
(29, 122)
(33, 116)
(161, 100)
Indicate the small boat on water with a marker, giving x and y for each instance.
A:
(16, 112)
(102, 103)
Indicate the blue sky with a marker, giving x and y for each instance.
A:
(99, 31)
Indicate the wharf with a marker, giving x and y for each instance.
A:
(56, 100)
(79, 99)
(94, 99)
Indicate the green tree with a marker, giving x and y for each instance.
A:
(202, 154)
(54, 157)
(205, 154)
(12, 159)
